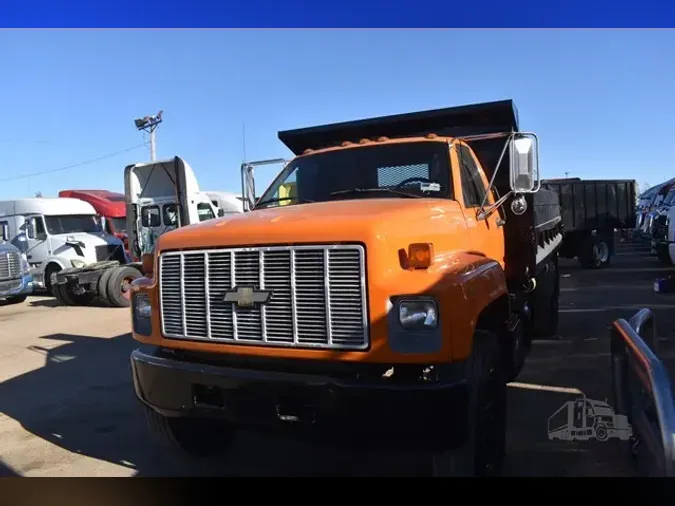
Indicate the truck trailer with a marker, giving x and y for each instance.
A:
(591, 211)
(383, 289)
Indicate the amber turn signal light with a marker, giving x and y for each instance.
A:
(148, 264)
(420, 255)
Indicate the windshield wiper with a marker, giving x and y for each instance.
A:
(375, 190)
(282, 199)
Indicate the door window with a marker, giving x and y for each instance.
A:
(205, 212)
(473, 188)
(150, 216)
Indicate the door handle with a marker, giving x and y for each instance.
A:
(501, 222)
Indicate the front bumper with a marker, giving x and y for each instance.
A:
(331, 407)
(17, 287)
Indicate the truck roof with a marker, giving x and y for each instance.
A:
(106, 203)
(47, 206)
(161, 178)
(465, 120)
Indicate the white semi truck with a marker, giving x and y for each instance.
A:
(62, 235)
(161, 196)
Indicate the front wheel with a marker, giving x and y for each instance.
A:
(196, 437)
(482, 454)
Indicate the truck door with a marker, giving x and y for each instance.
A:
(485, 235)
(39, 246)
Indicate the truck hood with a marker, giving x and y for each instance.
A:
(387, 220)
(91, 241)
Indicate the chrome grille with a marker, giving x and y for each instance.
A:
(318, 296)
(10, 265)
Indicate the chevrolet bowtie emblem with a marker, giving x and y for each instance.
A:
(246, 296)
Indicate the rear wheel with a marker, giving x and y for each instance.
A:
(483, 452)
(595, 253)
(196, 437)
(102, 285)
(62, 294)
(119, 285)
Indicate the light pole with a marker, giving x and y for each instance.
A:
(149, 124)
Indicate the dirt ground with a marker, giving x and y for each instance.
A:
(67, 406)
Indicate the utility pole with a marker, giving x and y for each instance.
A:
(149, 124)
(567, 175)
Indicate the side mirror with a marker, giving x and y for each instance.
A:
(221, 213)
(102, 222)
(524, 153)
(5, 232)
(247, 186)
(21, 242)
(29, 229)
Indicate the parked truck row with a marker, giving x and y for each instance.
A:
(87, 244)
(385, 287)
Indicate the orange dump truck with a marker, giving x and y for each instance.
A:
(383, 289)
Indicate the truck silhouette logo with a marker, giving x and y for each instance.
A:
(583, 419)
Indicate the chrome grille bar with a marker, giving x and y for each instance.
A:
(10, 265)
(318, 296)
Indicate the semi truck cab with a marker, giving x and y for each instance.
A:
(384, 288)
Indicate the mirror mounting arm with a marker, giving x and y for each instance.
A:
(485, 213)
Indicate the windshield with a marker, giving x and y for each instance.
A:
(417, 169)
(70, 224)
(669, 198)
(119, 225)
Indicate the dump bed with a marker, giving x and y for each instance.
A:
(595, 204)
(500, 117)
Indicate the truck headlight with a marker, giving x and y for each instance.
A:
(25, 266)
(141, 317)
(418, 314)
(77, 263)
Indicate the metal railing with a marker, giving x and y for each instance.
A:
(642, 391)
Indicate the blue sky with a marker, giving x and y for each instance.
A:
(601, 101)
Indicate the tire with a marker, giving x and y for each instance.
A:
(66, 297)
(544, 305)
(119, 278)
(601, 433)
(595, 253)
(196, 437)
(102, 285)
(483, 452)
(62, 294)
(49, 271)
(82, 299)
(18, 299)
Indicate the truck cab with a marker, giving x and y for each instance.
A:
(110, 208)
(383, 288)
(61, 233)
(16, 280)
(162, 196)
(229, 202)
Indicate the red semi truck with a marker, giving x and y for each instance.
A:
(110, 206)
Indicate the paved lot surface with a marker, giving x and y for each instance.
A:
(67, 406)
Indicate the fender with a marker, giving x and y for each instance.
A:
(470, 283)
